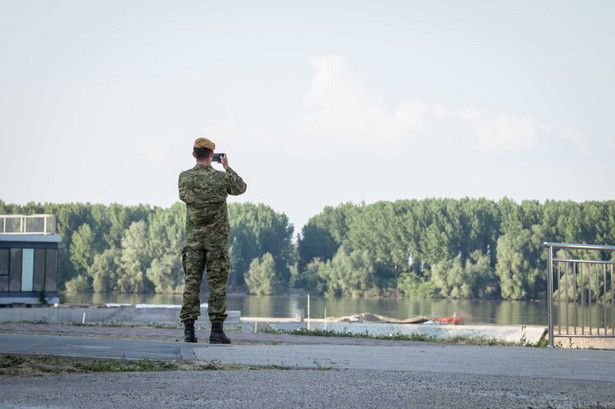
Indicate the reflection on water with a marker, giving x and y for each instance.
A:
(482, 312)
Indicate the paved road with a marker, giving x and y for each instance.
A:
(575, 364)
(413, 375)
(434, 358)
(90, 347)
(301, 389)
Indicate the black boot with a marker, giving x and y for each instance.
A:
(189, 335)
(217, 334)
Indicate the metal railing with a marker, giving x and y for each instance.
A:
(27, 224)
(581, 290)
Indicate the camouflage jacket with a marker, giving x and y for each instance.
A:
(204, 190)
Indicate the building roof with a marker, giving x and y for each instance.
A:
(31, 238)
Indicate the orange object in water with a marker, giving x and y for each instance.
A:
(450, 320)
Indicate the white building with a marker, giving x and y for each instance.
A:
(28, 259)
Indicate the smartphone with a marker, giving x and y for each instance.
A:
(217, 157)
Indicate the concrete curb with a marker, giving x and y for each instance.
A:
(120, 314)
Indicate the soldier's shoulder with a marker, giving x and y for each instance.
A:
(187, 173)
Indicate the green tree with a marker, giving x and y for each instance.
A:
(105, 270)
(118, 218)
(377, 229)
(315, 243)
(521, 264)
(310, 277)
(81, 248)
(257, 229)
(409, 284)
(481, 228)
(261, 277)
(450, 280)
(243, 248)
(165, 231)
(484, 281)
(166, 273)
(473, 279)
(411, 245)
(165, 239)
(510, 212)
(337, 220)
(79, 285)
(348, 273)
(134, 260)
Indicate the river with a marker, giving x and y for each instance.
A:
(480, 311)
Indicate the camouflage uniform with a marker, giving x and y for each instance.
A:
(204, 190)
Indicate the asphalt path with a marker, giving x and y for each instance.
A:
(91, 347)
(580, 364)
(300, 389)
(435, 358)
(345, 376)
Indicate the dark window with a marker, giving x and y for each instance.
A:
(51, 270)
(4, 262)
(39, 270)
(15, 268)
(4, 283)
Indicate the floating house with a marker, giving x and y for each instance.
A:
(28, 259)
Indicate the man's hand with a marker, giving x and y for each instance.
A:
(224, 161)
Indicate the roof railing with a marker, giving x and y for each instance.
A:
(27, 224)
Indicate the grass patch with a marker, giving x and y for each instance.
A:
(120, 325)
(37, 365)
(109, 324)
(415, 336)
(21, 365)
(26, 322)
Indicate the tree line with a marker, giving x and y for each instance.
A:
(467, 248)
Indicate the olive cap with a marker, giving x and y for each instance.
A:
(204, 143)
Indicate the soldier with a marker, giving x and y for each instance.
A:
(204, 190)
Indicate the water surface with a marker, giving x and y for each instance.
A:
(481, 312)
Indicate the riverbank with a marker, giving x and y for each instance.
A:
(99, 314)
(161, 316)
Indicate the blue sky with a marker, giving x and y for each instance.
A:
(316, 103)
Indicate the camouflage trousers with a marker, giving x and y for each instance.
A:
(196, 256)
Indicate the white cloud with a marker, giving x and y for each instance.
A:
(341, 114)
(411, 115)
(467, 113)
(156, 150)
(439, 111)
(577, 140)
(502, 133)
(341, 111)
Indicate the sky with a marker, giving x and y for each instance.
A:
(315, 103)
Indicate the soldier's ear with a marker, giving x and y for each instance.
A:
(193, 154)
